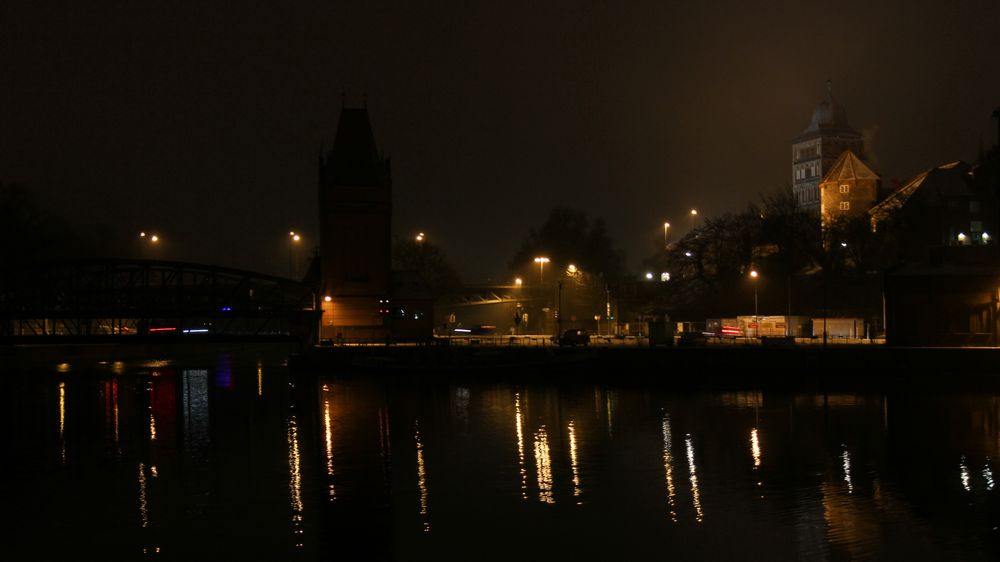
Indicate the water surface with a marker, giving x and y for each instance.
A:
(232, 456)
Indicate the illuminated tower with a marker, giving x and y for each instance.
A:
(818, 147)
(355, 203)
(848, 189)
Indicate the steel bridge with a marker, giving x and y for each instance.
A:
(147, 299)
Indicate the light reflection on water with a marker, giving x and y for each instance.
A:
(167, 455)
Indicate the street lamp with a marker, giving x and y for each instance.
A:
(146, 239)
(756, 321)
(649, 275)
(518, 282)
(694, 217)
(293, 239)
(666, 233)
(541, 261)
(420, 237)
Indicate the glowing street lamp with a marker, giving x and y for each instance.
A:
(694, 217)
(649, 275)
(518, 282)
(756, 320)
(420, 237)
(154, 239)
(961, 238)
(666, 233)
(293, 239)
(541, 261)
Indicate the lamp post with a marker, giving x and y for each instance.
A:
(694, 216)
(541, 261)
(293, 239)
(756, 321)
(666, 234)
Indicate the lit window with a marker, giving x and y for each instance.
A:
(845, 188)
(845, 205)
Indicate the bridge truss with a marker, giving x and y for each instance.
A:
(147, 298)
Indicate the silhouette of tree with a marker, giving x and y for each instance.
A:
(569, 236)
(428, 260)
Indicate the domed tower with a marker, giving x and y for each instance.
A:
(818, 147)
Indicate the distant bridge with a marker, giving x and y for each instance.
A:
(146, 299)
(479, 295)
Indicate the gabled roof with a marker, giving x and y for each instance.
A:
(849, 167)
(898, 198)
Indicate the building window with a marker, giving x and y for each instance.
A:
(845, 188)
(845, 205)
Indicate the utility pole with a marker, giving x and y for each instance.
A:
(559, 311)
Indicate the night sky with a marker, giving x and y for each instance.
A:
(204, 123)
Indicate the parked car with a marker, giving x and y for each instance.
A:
(572, 338)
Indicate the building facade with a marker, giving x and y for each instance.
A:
(818, 147)
(944, 206)
(355, 205)
(848, 189)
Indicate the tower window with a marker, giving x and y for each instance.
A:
(845, 188)
(845, 205)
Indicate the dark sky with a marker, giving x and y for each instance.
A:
(204, 122)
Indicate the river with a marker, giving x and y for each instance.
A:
(230, 455)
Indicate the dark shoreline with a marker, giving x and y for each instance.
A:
(807, 368)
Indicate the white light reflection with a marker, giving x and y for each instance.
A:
(964, 474)
(114, 400)
(846, 459)
(988, 475)
(143, 507)
(610, 407)
(62, 422)
(668, 467)
(260, 380)
(519, 423)
(295, 479)
(328, 441)
(422, 479)
(573, 463)
(152, 418)
(755, 447)
(384, 443)
(543, 465)
(695, 494)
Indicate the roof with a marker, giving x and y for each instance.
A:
(849, 167)
(829, 117)
(941, 177)
(354, 159)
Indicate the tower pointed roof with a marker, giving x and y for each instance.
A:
(849, 167)
(354, 158)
